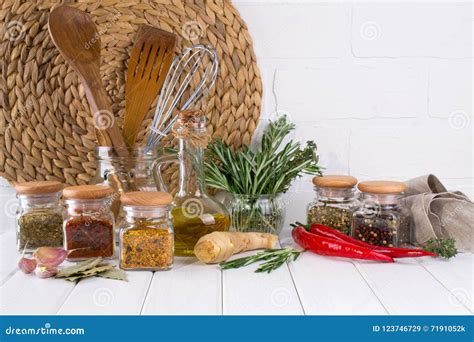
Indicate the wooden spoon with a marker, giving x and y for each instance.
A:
(150, 61)
(75, 36)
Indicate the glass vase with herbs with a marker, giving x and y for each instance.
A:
(194, 212)
(257, 179)
(146, 232)
(40, 216)
(335, 202)
(89, 222)
(381, 220)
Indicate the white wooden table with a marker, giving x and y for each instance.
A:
(313, 285)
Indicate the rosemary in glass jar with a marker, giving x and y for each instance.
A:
(335, 202)
(146, 232)
(40, 215)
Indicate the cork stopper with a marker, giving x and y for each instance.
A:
(146, 199)
(87, 192)
(38, 187)
(334, 181)
(192, 118)
(382, 187)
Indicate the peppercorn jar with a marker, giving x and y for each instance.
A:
(335, 202)
(89, 222)
(381, 220)
(40, 215)
(146, 232)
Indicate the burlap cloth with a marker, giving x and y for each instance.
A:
(438, 213)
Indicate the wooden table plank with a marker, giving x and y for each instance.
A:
(190, 288)
(8, 256)
(248, 293)
(456, 275)
(26, 294)
(332, 286)
(406, 288)
(99, 296)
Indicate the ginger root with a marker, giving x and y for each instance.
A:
(219, 246)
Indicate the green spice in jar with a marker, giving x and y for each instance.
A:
(39, 222)
(42, 227)
(337, 218)
(335, 202)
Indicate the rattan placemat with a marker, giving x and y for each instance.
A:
(46, 129)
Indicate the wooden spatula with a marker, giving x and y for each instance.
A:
(149, 63)
(75, 36)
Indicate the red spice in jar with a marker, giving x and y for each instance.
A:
(88, 237)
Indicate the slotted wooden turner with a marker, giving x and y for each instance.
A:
(149, 63)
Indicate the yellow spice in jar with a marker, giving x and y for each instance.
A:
(146, 248)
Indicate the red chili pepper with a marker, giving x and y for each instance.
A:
(393, 252)
(331, 247)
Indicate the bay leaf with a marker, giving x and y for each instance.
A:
(77, 277)
(116, 274)
(96, 269)
(79, 267)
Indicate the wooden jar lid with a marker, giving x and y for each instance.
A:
(335, 181)
(382, 187)
(87, 191)
(38, 187)
(146, 198)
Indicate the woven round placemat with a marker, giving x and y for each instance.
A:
(46, 129)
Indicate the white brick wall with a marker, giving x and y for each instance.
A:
(383, 87)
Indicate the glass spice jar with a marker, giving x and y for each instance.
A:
(381, 220)
(40, 216)
(89, 222)
(146, 232)
(335, 202)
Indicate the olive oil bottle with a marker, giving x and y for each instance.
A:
(195, 213)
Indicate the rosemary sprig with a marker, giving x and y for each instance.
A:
(274, 258)
(269, 170)
(444, 247)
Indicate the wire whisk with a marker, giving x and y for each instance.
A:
(197, 64)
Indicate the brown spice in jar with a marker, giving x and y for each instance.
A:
(379, 230)
(88, 237)
(145, 247)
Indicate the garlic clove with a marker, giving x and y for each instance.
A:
(44, 271)
(50, 256)
(27, 265)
